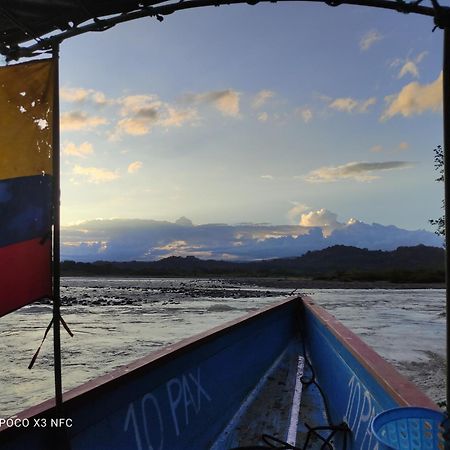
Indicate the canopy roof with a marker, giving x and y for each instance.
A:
(48, 22)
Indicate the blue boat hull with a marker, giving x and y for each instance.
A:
(184, 396)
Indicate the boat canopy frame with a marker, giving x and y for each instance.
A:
(30, 28)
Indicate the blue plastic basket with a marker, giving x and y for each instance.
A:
(409, 428)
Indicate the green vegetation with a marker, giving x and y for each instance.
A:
(418, 264)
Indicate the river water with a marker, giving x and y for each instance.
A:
(115, 321)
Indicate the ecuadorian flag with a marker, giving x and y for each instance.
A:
(26, 110)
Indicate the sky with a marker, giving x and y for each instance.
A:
(282, 114)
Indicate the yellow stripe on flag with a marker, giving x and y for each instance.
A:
(26, 99)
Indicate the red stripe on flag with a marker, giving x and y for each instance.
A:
(25, 274)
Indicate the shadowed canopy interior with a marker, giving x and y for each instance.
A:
(25, 20)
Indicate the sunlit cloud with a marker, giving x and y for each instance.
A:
(134, 166)
(267, 177)
(79, 120)
(141, 113)
(349, 105)
(227, 101)
(82, 151)
(296, 211)
(414, 98)
(376, 149)
(369, 39)
(403, 146)
(304, 113)
(80, 95)
(94, 174)
(322, 218)
(261, 98)
(357, 171)
(409, 65)
(263, 117)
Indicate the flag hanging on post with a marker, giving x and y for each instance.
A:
(26, 111)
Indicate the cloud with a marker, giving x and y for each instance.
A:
(409, 65)
(358, 171)
(227, 101)
(296, 211)
(141, 113)
(82, 151)
(304, 113)
(261, 98)
(79, 120)
(94, 174)
(80, 95)
(403, 145)
(135, 166)
(263, 117)
(267, 177)
(369, 39)
(322, 218)
(376, 149)
(127, 240)
(414, 98)
(348, 104)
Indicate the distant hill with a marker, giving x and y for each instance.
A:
(405, 264)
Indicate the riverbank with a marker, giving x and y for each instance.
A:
(303, 283)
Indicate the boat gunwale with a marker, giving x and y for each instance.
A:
(133, 369)
(404, 391)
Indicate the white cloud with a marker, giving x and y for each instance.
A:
(409, 65)
(348, 104)
(296, 211)
(227, 101)
(414, 98)
(322, 218)
(267, 177)
(79, 120)
(261, 98)
(369, 39)
(94, 174)
(134, 166)
(83, 150)
(304, 113)
(141, 113)
(263, 117)
(79, 95)
(358, 171)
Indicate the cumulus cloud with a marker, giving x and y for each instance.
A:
(79, 120)
(80, 95)
(348, 104)
(414, 98)
(261, 98)
(409, 65)
(304, 113)
(141, 113)
(263, 117)
(122, 240)
(94, 174)
(82, 151)
(370, 38)
(322, 218)
(358, 171)
(135, 166)
(296, 211)
(227, 101)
